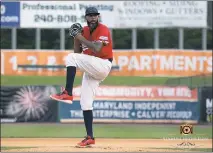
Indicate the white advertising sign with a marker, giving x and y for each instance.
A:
(151, 14)
(115, 14)
(62, 14)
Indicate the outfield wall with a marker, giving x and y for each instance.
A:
(169, 62)
(113, 104)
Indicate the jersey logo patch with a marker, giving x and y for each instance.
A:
(103, 38)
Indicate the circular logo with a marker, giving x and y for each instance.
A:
(186, 129)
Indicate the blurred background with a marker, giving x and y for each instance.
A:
(162, 68)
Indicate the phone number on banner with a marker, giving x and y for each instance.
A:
(58, 18)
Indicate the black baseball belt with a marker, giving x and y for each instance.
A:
(110, 59)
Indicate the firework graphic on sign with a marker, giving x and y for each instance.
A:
(30, 102)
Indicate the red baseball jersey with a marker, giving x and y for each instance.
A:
(101, 33)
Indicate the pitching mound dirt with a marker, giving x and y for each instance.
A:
(102, 145)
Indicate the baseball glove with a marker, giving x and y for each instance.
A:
(75, 29)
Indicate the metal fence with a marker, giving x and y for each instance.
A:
(156, 44)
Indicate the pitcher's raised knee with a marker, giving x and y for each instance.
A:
(70, 60)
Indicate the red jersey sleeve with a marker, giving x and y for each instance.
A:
(104, 36)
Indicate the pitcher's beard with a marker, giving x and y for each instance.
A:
(92, 26)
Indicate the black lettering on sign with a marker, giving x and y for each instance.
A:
(57, 18)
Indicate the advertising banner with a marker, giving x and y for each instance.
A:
(163, 63)
(131, 63)
(28, 104)
(10, 14)
(206, 104)
(115, 14)
(31, 57)
(62, 14)
(159, 14)
(144, 93)
(119, 104)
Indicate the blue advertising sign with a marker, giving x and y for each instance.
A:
(10, 14)
(139, 111)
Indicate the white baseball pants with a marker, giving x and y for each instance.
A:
(95, 70)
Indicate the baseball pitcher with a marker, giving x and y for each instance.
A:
(93, 56)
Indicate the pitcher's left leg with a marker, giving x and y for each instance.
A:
(88, 88)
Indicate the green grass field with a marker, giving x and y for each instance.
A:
(142, 131)
(111, 80)
(116, 131)
(54, 80)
